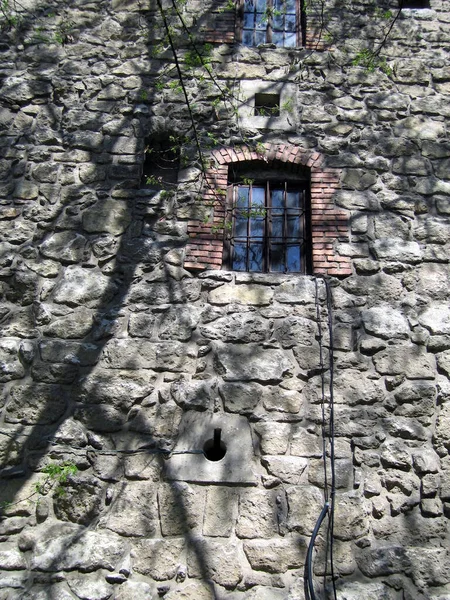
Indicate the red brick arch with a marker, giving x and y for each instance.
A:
(328, 223)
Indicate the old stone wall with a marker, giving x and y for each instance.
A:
(120, 355)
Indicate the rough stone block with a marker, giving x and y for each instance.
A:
(134, 510)
(241, 294)
(220, 511)
(181, 508)
(251, 362)
(157, 558)
(276, 555)
(258, 514)
(305, 504)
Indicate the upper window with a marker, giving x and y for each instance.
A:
(272, 22)
(414, 3)
(268, 227)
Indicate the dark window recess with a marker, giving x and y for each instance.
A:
(162, 162)
(269, 227)
(279, 22)
(414, 3)
(267, 105)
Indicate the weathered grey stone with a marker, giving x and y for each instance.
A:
(157, 558)
(11, 559)
(429, 565)
(220, 561)
(433, 281)
(142, 466)
(178, 323)
(134, 511)
(395, 454)
(379, 288)
(276, 556)
(162, 293)
(385, 322)
(10, 365)
(351, 512)
(240, 397)
(180, 508)
(242, 294)
(55, 351)
(75, 325)
(80, 501)
(137, 354)
(258, 516)
(397, 250)
(220, 512)
(156, 420)
(442, 431)
(362, 200)
(296, 330)
(101, 418)
(194, 589)
(365, 591)
(90, 586)
(413, 361)
(305, 504)
(66, 246)
(194, 394)
(289, 469)
(83, 286)
(305, 444)
(436, 319)
(69, 547)
(250, 362)
(274, 437)
(121, 388)
(109, 216)
(353, 390)
(239, 327)
(279, 399)
(135, 590)
(36, 404)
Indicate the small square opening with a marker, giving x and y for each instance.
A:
(414, 3)
(267, 105)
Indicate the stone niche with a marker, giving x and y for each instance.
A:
(189, 461)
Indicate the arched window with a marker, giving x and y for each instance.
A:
(268, 220)
(271, 210)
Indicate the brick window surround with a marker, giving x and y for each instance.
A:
(329, 224)
(222, 25)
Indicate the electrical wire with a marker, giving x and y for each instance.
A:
(329, 487)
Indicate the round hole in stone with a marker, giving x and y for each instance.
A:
(214, 449)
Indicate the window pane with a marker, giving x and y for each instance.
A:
(289, 6)
(277, 39)
(293, 258)
(255, 256)
(277, 258)
(240, 225)
(261, 21)
(278, 21)
(247, 38)
(249, 21)
(290, 23)
(293, 199)
(293, 226)
(249, 5)
(261, 6)
(260, 37)
(240, 257)
(277, 226)
(242, 197)
(290, 41)
(258, 198)
(277, 199)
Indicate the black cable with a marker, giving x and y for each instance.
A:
(328, 507)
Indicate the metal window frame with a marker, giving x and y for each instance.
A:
(304, 239)
(300, 24)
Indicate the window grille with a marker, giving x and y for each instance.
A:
(269, 227)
